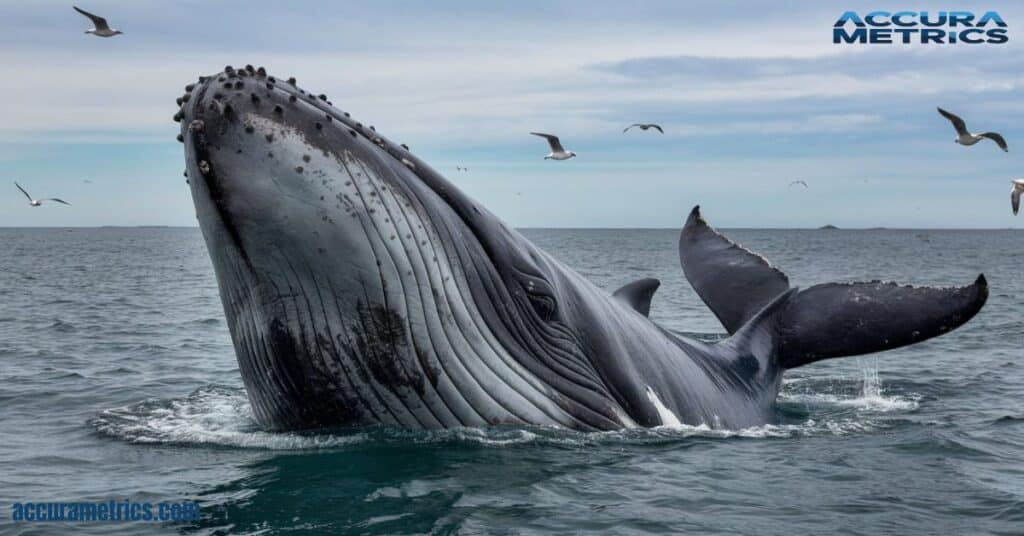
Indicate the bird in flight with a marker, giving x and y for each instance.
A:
(963, 137)
(798, 182)
(1018, 188)
(644, 126)
(101, 28)
(37, 202)
(557, 151)
(457, 168)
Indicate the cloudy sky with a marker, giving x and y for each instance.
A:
(752, 97)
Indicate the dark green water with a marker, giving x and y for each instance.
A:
(118, 380)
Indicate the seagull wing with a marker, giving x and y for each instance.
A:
(24, 192)
(556, 146)
(631, 126)
(1018, 187)
(958, 124)
(99, 22)
(996, 137)
(57, 200)
(657, 127)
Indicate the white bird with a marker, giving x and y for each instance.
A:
(101, 28)
(1018, 188)
(963, 137)
(557, 151)
(37, 202)
(644, 126)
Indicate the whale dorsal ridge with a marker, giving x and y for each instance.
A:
(734, 282)
(638, 294)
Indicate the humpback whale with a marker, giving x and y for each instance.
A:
(361, 288)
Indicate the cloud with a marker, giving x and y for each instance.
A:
(746, 91)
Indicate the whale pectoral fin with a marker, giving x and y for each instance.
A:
(638, 294)
(734, 282)
(838, 320)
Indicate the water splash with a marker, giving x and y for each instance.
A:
(211, 415)
(222, 416)
(870, 396)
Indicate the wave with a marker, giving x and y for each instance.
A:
(222, 416)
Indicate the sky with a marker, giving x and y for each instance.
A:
(752, 96)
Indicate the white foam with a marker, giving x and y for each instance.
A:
(766, 431)
(212, 416)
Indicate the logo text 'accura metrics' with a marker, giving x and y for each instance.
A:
(907, 27)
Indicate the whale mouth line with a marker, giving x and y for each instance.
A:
(197, 138)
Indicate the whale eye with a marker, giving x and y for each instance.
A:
(541, 297)
(543, 305)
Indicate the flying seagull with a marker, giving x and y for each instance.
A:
(644, 126)
(798, 182)
(37, 202)
(557, 151)
(963, 137)
(102, 29)
(1018, 188)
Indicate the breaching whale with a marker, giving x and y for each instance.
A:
(362, 288)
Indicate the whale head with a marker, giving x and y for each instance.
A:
(360, 286)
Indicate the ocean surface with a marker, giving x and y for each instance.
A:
(118, 381)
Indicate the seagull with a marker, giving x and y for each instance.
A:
(37, 202)
(557, 151)
(963, 137)
(102, 29)
(457, 168)
(1018, 188)
(798, 182)
(644, 126)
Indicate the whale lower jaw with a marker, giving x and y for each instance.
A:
(312, 359)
